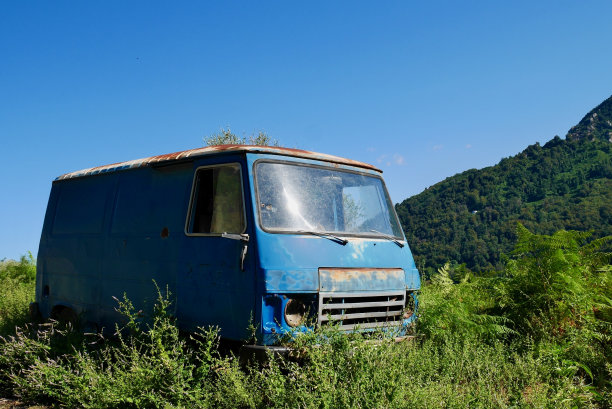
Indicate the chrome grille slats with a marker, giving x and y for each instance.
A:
(361, 310)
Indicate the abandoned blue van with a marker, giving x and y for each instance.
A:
(282, 238)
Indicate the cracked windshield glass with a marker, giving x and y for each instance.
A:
(306, 198)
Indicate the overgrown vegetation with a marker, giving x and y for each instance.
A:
(536, 335)
(470, 218)
(16, 291)
(554, 299)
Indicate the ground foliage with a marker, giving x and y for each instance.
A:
(470, 218)
(536, 335)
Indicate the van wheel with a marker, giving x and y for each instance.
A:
(64, 315)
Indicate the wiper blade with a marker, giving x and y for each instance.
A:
(388, 237)
(328, 236)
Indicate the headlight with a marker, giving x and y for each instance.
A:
(295, 312)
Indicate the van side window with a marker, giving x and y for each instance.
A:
(217, 202)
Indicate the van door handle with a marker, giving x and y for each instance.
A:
(235, 236)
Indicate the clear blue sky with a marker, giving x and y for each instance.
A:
(424, 90)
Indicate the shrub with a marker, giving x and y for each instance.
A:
(17, 287)
(23, 271)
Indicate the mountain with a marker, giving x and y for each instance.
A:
(471, 218)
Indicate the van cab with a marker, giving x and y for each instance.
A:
(282, 238)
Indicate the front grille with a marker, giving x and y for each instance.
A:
(362, 310)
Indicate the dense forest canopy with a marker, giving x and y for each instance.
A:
(471, 218)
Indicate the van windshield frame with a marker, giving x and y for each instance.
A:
(296, 198)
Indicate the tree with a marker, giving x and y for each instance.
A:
(227, 137)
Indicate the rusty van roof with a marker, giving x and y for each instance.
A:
(210, 150)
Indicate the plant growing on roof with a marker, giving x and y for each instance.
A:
(227, 137)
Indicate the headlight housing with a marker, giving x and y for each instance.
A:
(295, 312)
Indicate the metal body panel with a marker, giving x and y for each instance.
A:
(290, 280)
(299, 265)
(304, 254)
(212, 289)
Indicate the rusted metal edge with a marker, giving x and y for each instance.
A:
(209, 150)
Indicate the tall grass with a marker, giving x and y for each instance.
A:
(16, 291)
(485, 346)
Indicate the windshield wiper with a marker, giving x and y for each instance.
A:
(328, 236)
(388, 237)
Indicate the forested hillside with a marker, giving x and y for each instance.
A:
(471, 217)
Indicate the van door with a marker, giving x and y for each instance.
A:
(216, 282)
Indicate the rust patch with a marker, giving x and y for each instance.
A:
(165, 233)
(193, 153)
(343, 274)
(353, 279)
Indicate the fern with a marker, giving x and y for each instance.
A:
(451, 309)
(442, 280)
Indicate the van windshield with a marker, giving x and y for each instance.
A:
(294, 198)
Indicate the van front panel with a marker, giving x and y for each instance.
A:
(328, 235)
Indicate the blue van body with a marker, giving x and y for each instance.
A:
(239, 235)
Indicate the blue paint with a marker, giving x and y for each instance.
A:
(291, 280)
(117, 230)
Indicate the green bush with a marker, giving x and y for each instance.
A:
(23, 271)
(139, 368)
(17, 288)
